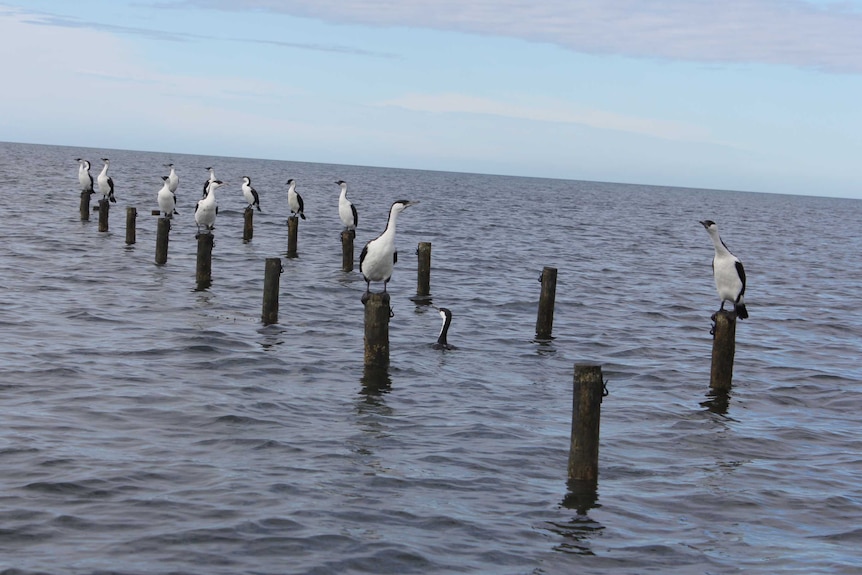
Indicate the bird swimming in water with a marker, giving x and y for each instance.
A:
(173, 179)
(379, 255)
(207, 183)
(294, 200)
(346, 209)
(728, 272)
(206, 209)
(250, 194)
(444, 330)
(84, 176)
(166, 198)
(106, 183)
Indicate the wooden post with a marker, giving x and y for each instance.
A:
(377, 312)
(586, 410)
(85, 206)
(162, 232)
(104, 208)
(204, 263)
(423, 282)
(545, 319)
(347, 237)
(292, 228)
(723, 349)
(248, 225)
(131, 216)
(271, 276)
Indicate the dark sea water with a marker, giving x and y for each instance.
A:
(149, 427)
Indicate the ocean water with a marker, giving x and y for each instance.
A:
(153, 427)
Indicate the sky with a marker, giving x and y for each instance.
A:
(751, 95)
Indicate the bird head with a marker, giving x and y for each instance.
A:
(401, 205)
(708, 224)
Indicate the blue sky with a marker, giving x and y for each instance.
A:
(759, 95)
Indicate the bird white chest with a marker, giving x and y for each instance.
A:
(727, 281)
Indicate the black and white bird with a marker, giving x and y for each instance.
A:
(84, 176)
(106, 184)
(444, 330)
(206, 209)
(250, 194)
(378, 257)
(294, 200)
(728, 272)
(173, 179)
(207, 183)
(346, 209)
(166, 198)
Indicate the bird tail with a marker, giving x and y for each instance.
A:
(258, 208)
(302, 215)
(111, 197)
(741, 312)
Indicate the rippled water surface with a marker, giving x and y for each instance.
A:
(151, 427)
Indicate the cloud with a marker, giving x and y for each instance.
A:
(548, 111)
(822, 36)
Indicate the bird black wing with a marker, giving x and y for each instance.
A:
(362, 256)
(741, 271)
(355, 216)
(395, 257)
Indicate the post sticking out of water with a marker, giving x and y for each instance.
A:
(104, 208)
(131, 216)
(204, 263)
(377, 312)
(423, 283)
(545, 318)
(85, 206)
(271, 278)
(292, 229)
(347, 237)
(248, 224)
(723, 349)
(588, 391)
(162, 232)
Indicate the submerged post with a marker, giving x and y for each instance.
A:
(347, 237)
(162, 232)
(104, 208)
(292, 228)
(248, 224)
(131, 216)
(377, 314)
(423, 282)
(271, 278)
(545, 318)
(588, 391)
(204, 263)
(723, 349)
(85, 205)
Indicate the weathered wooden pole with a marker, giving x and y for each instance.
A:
(85, 205)
(248, 225)
(163, 230)
(723, 349)
(347, 237)
(131, 217)
(204, 263)
(104, 208)
(377, 313)
(271, 277)
(292, 228)
(545, 318)
(588, 391)
(423, 276)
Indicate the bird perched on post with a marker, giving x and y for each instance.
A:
(250, 194)
(173, 179)
(207, 183)
(728, 272)
(106, 184)
(84, 176)
(346, 209)
(379, 255)
(166, 198)
(294, 200)
(206, 209)
(444, 330)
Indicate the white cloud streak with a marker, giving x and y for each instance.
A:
(795, 33)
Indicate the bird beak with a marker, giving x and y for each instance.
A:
(704, 224)
(411, 203)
